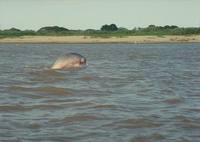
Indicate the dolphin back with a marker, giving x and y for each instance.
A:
(68, 60)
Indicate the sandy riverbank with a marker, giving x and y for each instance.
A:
(88, 39)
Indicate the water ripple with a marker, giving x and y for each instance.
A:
(128, 92)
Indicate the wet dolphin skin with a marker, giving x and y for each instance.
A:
(69, 60)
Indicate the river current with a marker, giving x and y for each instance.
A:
(127, 93)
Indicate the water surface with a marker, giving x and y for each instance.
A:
(128, 92)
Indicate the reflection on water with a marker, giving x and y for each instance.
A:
(136, 93)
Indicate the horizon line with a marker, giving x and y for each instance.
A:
(136, 27)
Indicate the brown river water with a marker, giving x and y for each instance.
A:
(127, 93)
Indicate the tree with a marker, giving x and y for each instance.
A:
(52, 29)
(123, 29)
(13, 30)
(111, 27)
(170, 27)
(151, 26)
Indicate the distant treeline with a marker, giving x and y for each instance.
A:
(105, 31)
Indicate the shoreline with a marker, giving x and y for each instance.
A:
(89, 39)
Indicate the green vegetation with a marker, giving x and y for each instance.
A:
(105, 31)
(111, 27)
(53, 29)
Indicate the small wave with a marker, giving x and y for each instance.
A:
(52, 90)
(102, 106)
(20, 108)
(76, 118)
(81, 104)
(87, 78)
(57, 104)
(18, 88)
(173, 101)
(33, 126)
(46, 106)
(195, 109)
(42, 90)
(25, 125)
(151, 138)
(13, 108)
(47, 75)
(187, 123)
(60, 100)
(138, 123)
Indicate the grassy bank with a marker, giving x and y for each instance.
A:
(104, 32)
(107, 34)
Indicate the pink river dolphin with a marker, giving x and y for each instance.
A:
(69, 60)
